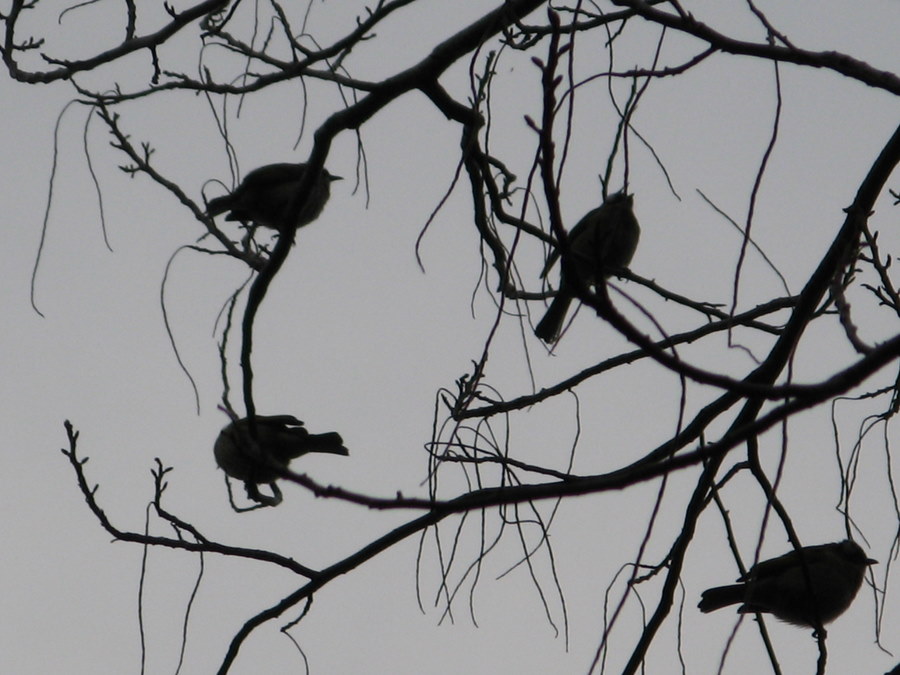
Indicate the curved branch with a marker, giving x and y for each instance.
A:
(831, 60)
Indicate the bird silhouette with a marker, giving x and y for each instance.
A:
(809, 587)
(266, 195)
(264, 458)
(603, 241)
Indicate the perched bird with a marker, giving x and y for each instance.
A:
(602, 242)
(279, 439)
(265, 196)
(780, 586)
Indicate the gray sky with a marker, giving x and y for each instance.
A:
(353, 337)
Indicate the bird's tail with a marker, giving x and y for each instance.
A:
(551, 324)
(721, 596)
(218, 206)
(330, 442)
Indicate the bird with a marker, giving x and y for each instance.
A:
(266, 195)
(603, 241)
(781, 587)
(279, 439)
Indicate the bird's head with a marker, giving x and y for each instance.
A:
(620, 198)
(852, 552)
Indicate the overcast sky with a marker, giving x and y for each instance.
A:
(354, 337)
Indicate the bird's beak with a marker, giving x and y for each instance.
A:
(869, 561)
(334, 178)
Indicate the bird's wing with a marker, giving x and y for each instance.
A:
(581, 227)
(271, 175)
(776, 566)
(279, 420)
